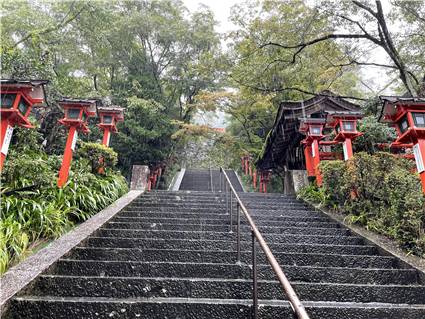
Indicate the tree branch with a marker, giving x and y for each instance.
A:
(60, 25)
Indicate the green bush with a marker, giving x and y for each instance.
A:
(44, 211)
(98, 155)
(378, 191)
(374, 132)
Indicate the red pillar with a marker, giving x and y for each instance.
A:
(246, 166)
(316, 162)
(106, 136)
(254, 179)
(309, 160)
(348, 149)
(419, 151)
(67, 156)
(6, 136)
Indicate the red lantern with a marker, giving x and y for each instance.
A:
(109, 117)
(76, 116)
(312, 128)
(345, 127)
(17, 99)
(407, 115)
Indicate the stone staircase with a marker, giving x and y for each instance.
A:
(171, 255)
(207, 180)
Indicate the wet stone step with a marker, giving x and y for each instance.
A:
(320, 260)
(221, 212)
(88, 308)
(222, 216)
(274, 238)
(225, 222)
(218, 228)
(233, 270)
(223, 245)
(136, 287)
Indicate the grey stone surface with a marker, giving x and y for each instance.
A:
(22, 274)
(178, 180)
(139, 177)
(294, 180)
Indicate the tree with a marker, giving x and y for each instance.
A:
(121, 51)
(358, 23)
(264, 66)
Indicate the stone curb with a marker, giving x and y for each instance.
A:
(175, 186)
(19, 276)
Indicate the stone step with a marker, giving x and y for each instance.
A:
(106, 231)
(160, 308)
(178, 255)
(233, 271)
(145, 287)
(209, 212)
(225, 221)
(219, 228)
(303, 217)
(220, 245)
(210, 206)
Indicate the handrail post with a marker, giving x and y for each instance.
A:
(238, 227)
(254, 279)
(225, 192)
(231, 211)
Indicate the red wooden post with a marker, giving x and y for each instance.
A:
(6, 128)
(316, 162)
(419, 150)
(67, 156)
(254, 179)
(348, 149)
(17, 99)
(309, 160)
(77, 113)
(106, 136)
(246, 164)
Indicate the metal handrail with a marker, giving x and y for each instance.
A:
(294, 301)
(211, 180)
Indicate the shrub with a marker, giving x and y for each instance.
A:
(374, 132)
(378, 191)
(45, 211)
(98, 155)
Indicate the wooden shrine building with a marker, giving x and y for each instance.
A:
(283, 149)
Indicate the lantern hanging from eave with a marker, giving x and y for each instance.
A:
(407, 115)
(18, 97)
(312, 128)
(345, 128)
(76, 115)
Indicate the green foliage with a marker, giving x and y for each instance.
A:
(374, 132)
(42, 210)
(378, 191)
(145, 135)
(312, 193)
(98, 155)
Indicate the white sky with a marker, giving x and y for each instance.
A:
(221, 9)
